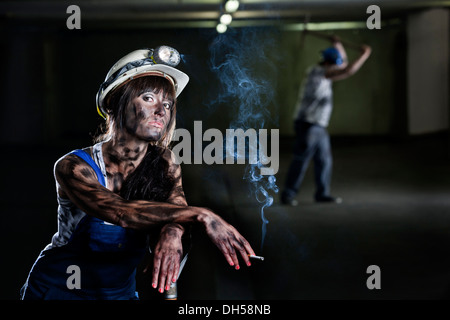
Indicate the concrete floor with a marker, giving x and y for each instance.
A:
(395, 214)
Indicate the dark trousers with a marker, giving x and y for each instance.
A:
(312, 141)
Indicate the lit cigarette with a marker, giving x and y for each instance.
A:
(256, 257)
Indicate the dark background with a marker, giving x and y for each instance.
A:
(389, 133)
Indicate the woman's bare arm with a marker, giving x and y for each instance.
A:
(177, 195)
(78, 182)
(168, 251)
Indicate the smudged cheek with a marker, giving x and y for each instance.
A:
(135, 117)
(140, 113)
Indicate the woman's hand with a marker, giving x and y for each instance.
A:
(168, 254)
(226, 238)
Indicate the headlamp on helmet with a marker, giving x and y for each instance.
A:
(166, 55)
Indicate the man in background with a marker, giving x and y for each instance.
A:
(312, 115)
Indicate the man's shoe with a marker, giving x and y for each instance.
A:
(289, 201)
(329, 199)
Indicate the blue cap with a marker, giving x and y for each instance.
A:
(332, 55)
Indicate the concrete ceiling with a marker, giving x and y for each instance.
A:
(205, 13)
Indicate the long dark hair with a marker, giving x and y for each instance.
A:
(151, 180)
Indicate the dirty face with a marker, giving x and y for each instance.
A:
(147, 115)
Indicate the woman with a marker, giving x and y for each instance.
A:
(126, 186)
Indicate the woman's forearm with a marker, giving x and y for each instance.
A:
(78, 182)
(146, 214)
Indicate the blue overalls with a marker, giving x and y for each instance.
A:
(106, 256)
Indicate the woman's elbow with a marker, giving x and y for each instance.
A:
(121, 218)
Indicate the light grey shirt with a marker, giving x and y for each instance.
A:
(315, 101)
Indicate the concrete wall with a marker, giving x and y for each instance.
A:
(428, 71)
(52, 75)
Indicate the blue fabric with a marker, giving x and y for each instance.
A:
(312, 142)
(107, 256)
(86, 157)
(332, 55)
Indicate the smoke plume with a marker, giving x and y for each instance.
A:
(247, 78)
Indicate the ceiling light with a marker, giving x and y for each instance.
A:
(231, 5)
(226, 19)
(221, 28)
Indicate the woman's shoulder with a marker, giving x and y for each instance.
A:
(73, 156)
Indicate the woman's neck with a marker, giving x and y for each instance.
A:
(122, 155)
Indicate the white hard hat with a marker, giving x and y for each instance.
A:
(139, 63)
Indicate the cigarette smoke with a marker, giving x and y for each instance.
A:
(236, 59)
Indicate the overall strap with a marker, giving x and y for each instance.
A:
(86, 157)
